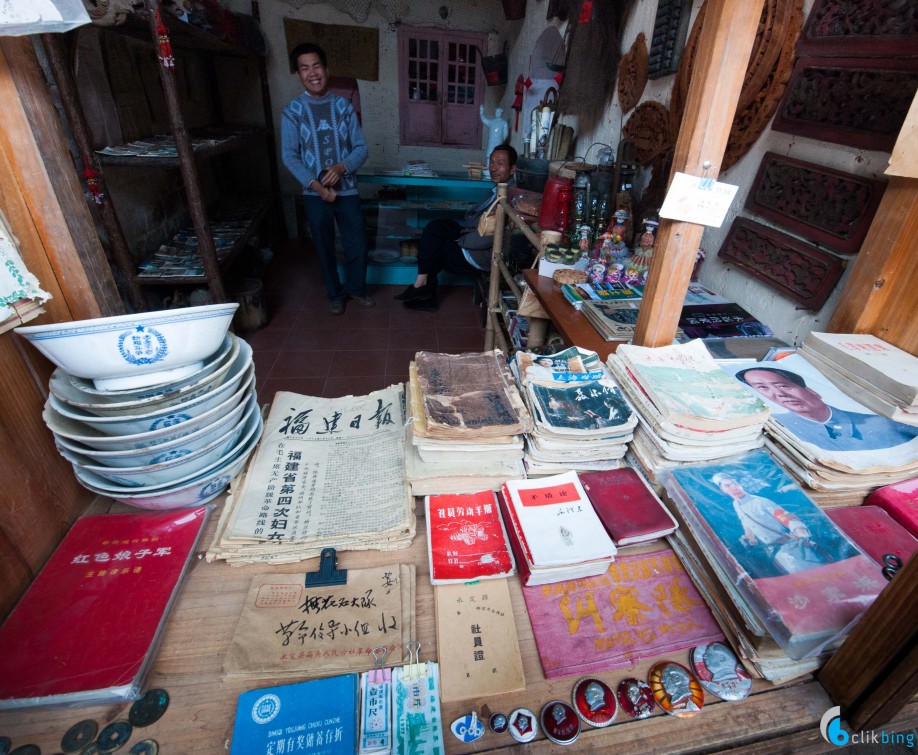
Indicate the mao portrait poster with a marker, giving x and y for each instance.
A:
(801, 575)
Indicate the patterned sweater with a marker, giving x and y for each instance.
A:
(320, 131)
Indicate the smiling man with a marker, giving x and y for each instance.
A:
(322, 146)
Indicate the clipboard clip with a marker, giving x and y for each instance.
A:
(380, 673)
(328, 572)
(414, 668)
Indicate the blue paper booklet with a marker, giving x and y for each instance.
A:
(317, 717)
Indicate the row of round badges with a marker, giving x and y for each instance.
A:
(672, 686)
(81, 738)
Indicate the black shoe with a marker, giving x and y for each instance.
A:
(423, 305)
(416, 292)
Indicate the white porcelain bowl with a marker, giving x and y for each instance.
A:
(73, 430)
(168, 468)
(132, 351)
(138, 457)
(205, 487)
(238, 356)
(171, 415)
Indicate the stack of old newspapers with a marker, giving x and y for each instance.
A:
(467, 422)
(690, 410)
(824, 433)
(582, 421)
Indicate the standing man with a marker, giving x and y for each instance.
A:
(322, 146)
(446, 245)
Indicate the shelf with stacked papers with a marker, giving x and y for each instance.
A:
(161, 150)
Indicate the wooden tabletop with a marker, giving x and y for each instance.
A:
(573, 326)
(200, 715)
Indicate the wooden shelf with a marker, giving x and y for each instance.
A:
(221, 146)
(183, 35)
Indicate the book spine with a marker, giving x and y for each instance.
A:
(522, 564)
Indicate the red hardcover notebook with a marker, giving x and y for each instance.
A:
(900, 501)
(630, 511)
(466, 540)
(875, 531)
(88, 627)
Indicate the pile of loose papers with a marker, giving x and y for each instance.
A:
(689, 408)
(328, 472)
(582, 420)
(467, 423)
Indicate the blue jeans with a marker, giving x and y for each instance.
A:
(322, 217)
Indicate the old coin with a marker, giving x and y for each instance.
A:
(720, 672)
(635, 697)
(6, 745)
(27, 750)
(146, 747)
(79, 735)
(149, 708)
(675, 689)
(560, 722)
(594, 702)
(114, 736)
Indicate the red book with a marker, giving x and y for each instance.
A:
(875, 531)
(466, 539)
(630, 511)
(900, 501)
(87, 629)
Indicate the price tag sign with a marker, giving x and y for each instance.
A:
(698, 200)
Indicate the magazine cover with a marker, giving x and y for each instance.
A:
(804, 578)
(596, 405)
(827, 423)
(720, 321)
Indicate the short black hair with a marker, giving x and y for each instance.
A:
(792, 376)
(304, 49)
(511, 153)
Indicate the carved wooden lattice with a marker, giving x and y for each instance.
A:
(825, 206)
(800, 271)
(632, 74)
(860, 102)
(879, 28)
(648, 127)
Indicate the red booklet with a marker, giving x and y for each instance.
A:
(87, 629)
(875, 531)
(900, 501)
(466, 539)
(630, 511)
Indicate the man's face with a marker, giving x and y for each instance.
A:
(499, 166)
(784, 392)
(732, 488)
(312, 74)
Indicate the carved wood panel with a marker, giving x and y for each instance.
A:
(632, 74)
(880, 28)
(649, 128)
(825, 206)
(799, 271)
(860, 102)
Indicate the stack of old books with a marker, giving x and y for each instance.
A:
(782, 580)
(467, 423)
(829, 440)
(690, 409)
(582, 420)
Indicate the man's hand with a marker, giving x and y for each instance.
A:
(327, 194)
(332, 174)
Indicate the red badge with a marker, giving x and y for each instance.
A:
(560, 722)
(635, 698)
(522, 725)
(594, 702)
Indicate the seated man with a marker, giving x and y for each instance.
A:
(447, 245)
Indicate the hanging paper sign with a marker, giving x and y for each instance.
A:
(697, 200)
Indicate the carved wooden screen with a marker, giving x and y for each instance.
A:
(870, 28)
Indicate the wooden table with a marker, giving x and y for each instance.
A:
(573, 326)
(200, 715)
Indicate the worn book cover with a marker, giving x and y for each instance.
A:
(477, 644)
(642, 606)
(87, 629)
(900, 501)
(720, 321)
(318, 717)
(466, 539)
(630, 511)
(797, 571)
(594, 407)
(874, 531)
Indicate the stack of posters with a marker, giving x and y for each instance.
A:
(554, 531)
(582, 420)
(690, 410)
(302, 491)
(832, 444)
(791, 583)
(882, 376)
(614, 320)
(467, 423)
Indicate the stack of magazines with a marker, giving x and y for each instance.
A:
(784, 582)
(690, 409)
(582, 421)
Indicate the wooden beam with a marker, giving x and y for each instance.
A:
(727, 36)
(879, 295)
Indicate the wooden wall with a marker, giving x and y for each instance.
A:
(42, 199)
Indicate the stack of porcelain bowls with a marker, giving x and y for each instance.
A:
(156, 409)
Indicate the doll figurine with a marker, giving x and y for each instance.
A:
(614, 273)
(595, 274)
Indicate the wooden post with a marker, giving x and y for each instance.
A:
(727, 36)
(187, 163)
(494, 281)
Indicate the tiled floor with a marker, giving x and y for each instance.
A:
(306, 350)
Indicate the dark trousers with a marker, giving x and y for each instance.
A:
(438, 251)
(322, 217)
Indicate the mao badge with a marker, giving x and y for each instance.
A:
(719, 671)
(675, 689)
(594, 702)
